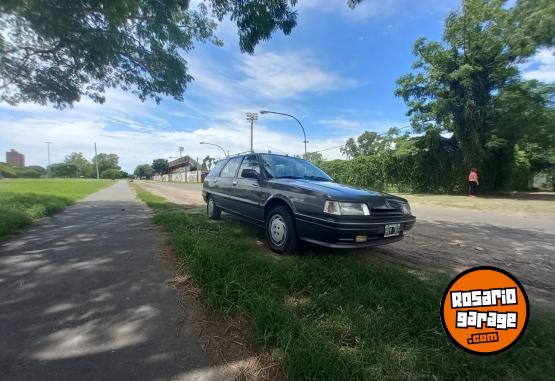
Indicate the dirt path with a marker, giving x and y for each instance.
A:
(453, 239)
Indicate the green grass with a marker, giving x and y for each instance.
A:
(329, 316)
(24, 200)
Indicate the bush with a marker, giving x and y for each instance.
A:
(111, 174)
(7, 170)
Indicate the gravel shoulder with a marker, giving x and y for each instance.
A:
(452, 239)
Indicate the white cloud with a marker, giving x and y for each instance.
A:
(287, 75)
(265, 76)
(541, 66)
(141, 144)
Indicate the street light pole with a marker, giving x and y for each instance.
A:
(291, 116)
(252, 116)
(220, 147)
(48, 149)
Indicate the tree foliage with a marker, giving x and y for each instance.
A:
(32, 171)
(111, 174)
(469, 85)
(106, 161)
(160, 166)
(207, 163)
(143, 170)
(63, 170)
(84, 166)
(59, 51)
(314, 157)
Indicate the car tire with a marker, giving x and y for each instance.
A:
(212, 210)
(281, 232)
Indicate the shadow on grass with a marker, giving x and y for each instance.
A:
(18, 210)
(326, 315)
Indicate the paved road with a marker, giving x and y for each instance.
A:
(452, 240)
(83, 296)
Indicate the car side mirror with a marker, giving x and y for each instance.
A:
(250, 174)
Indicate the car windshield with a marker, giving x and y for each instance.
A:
(280, 167)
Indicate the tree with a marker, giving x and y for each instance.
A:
(350, 149)
(207, 163)
(459, 85)
(63, 170)
(160, 166)
(143, 170)
(38, 169)
(84, 167)
(106, 161)
(368, 143)
(314, 157)
(59, 51)
(111, 174)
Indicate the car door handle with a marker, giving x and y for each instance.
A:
(254, 185)
(234, 183)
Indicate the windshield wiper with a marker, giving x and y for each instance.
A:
(316, 178)
(287, 177)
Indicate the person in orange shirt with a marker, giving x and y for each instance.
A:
(473, 182)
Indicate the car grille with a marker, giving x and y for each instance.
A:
(391, 208)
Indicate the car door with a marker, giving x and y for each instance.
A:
(212, 182)
(227, 183)
(251, 192)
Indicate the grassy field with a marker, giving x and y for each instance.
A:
(24, 200)
(328, 316)
(521, 205)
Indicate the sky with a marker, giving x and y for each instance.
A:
(335, 72)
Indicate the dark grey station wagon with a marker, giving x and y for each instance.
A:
(295, 200)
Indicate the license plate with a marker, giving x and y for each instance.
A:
(392, 230)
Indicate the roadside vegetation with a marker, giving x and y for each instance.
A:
(329, 316)
(24, 200)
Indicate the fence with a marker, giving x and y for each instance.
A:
(184, 177)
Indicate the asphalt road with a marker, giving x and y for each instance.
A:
(84, 296)
(451, 240)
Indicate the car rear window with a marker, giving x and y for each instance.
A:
(230, 168)
(217, 168)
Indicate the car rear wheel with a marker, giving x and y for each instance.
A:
(280, 231)
(212, 211)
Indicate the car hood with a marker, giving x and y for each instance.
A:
(334, 190)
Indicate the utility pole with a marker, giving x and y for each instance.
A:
(251, 117)
(180, 149)
(48, 148)
(96, 161)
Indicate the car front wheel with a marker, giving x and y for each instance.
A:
(212, 211)
(280, 231)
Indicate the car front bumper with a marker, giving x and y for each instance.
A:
(342, 234)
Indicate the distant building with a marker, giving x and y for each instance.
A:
(183, 164)
(15, 158)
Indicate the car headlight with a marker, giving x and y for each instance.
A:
(346, 208)
(406, 208)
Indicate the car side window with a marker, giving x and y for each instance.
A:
(230, 168)
(217, 168)
(250, 162)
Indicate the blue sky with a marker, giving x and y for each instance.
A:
(336, 72)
